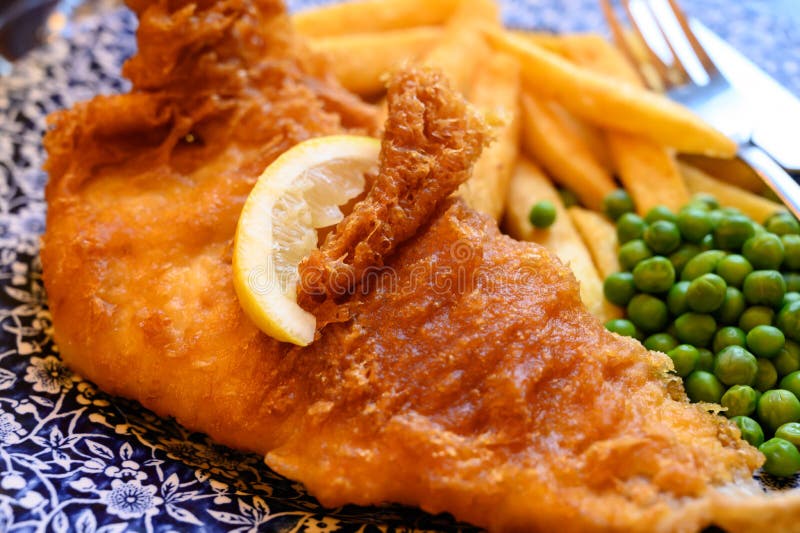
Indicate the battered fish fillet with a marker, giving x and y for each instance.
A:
(469, 378)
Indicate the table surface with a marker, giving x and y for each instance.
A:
(72, 458)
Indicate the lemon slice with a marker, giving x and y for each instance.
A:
(300, 192)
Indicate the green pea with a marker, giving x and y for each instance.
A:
(777, 407)
(676, 298)
(623, 327)
(702, 263)
(790, 297)
(782, 457)
(630, 226)
(767, 376)
(751, 431)
(792, 280)
(756, 316)
(732, 231)
(791, 383)
(682, 255)
(791, 251)
(672, 330)
(708, 244)
(789, 431)
(735, 366)
(660, 212)
(695, 328)
(619, 288)
(654, 275)
(728, 336)
(764, 287)
(732, 307)
(705, 360)
(706, 293)
(695, 204)
(716, 216)
(617, 203)
(789, 320)
(632, 253)
(568, 197)
(733, 269)
(542, 214)
(694, 224)
(764, 251)
(740, 401)
(782, 224)
(660, 342)
(702, 386)
(765, 341)
(684, 358)
(759, 230)
(730, 210)
(648, 313)
(788, 359)
(708, 199)
(662, 237)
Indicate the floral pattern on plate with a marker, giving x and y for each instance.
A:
(75, 459)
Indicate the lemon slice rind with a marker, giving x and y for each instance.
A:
(299, 192)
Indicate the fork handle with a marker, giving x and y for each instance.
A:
(776, 178)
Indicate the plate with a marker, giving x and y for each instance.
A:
(74, 459)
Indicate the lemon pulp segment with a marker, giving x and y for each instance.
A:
(299, 193)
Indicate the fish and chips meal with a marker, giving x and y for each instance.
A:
(409, 255)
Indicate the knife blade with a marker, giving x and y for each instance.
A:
(776, 110)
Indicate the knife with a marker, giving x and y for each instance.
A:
(776, 110)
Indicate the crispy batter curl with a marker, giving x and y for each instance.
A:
(432, 138)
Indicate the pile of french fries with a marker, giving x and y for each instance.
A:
(573, 113)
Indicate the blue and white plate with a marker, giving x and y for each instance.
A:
(74, 459)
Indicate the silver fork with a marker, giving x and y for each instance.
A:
(682, 67)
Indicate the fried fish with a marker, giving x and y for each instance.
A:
(467, 376)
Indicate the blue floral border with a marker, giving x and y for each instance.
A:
(74, 459)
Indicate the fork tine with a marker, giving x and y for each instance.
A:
(673, 74)
(680, 42)
(706, 61)
(661, 68)
(622, 43)
(681, 75)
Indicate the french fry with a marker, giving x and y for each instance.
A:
(752, 205)
(550, 142)
(554, 42)
(369, 16)
(648, 171)
(529, 185)
(592, 137)
(496, 92)
(361, 61)
(600, 237)
(463, 46)
(383, 110)
(640, 54)
(572, 46)
(734, 171)
(609, 102)
(459, 52)
(593, 51)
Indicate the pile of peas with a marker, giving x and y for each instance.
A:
(720, 295)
